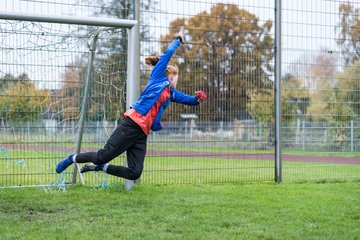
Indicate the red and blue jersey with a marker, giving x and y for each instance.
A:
(146, 121)
(157, 95)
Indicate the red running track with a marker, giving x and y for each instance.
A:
(248, 156)
(239, 156)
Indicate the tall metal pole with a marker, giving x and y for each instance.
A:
(133, 68)
(278, 140)
(84, 104)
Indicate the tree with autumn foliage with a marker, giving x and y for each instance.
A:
(20, 100)
(261, 107)
(106, 99)
(67, 100)
(335, 99)
(227, 52)
(348, 30)
(348, 83)
(332, 96)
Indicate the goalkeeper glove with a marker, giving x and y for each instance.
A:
(201, 96)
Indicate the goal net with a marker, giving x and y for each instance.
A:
(45, 68)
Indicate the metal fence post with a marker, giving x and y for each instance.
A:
(352, 135)
(260, 133)
(221, 134)
(278, 141)
(84, 103)
(303, 136)
(133, 69)
(186, 134)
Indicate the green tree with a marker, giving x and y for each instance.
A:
(337, 102)
(108, 90)
(227, 53)
(67, 100)
(348, 83)
(349, 32)
(21, 101)
(327, 106)
(10, 81)
(261, 104)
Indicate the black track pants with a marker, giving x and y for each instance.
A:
(129, 137)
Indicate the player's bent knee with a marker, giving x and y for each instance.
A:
(135, 175)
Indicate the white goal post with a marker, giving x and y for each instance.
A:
(133, 55)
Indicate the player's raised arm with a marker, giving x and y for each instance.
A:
(161, 62)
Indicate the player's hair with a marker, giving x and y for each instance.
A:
(152, 61)
(171, 70)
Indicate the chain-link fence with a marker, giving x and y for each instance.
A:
(228, 53)
(320, 86)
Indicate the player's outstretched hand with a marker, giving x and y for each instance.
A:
(201, 96)
(181, 32)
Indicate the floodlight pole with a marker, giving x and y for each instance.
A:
(278, 140)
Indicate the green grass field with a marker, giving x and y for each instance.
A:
(216, 203)
(37, 170)
(32, 167)
(194, 211)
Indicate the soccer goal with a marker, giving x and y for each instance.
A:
(64, 82)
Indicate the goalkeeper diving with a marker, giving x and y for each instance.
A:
(144, 115)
